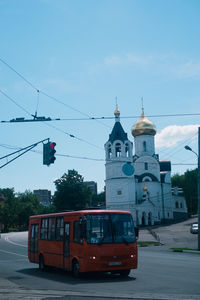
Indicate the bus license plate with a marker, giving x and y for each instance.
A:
(115, 263)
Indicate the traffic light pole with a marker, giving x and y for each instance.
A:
(28, 148)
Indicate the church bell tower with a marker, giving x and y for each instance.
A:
(120, 183)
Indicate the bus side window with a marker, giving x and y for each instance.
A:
(44, 228)
(77, 232)
(59, 228)
(51, 229)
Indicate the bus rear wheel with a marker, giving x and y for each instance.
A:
(124, 273)
(76, 269)
(41, 263)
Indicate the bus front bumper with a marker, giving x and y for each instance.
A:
(108, 263)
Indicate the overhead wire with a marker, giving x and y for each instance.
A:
(52, 126)
(57, 154)
(12, 100)
(72, 108)
(88, 158)
(38, 94)
(20, 75)
(47, 95)
(73, 136)
(82, 113)
(85, 114)
(178, 148)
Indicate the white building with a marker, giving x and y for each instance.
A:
(139, 183)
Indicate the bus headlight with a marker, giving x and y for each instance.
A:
(93, 257)
(132, 255)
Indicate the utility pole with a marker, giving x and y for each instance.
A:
(163, 205)
(198, 183)
(198, 188)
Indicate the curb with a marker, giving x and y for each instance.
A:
(187, 251)
(20, 294)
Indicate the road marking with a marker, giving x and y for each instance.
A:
(11, 242)
(13, 253)
(16, 260)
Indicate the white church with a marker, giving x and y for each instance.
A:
(140, 183)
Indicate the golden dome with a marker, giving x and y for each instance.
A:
(143, 126)
(116, 112)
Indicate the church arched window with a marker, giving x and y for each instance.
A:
(127, 150)
(144, 146)
(118, 150)
(146, 179)
(177, 205)
(109, 151)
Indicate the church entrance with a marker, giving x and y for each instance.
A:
(149, 218)
(143, 219)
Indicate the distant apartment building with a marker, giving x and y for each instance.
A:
(44, 196)
(92, 186)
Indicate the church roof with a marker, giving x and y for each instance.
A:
(165, 165)
(118, 133)
(143, 126)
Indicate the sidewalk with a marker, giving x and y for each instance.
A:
(171, 236)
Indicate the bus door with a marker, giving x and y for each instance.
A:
(34, 242)
(66, 245)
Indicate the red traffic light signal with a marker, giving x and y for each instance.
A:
(52, 152)
(52, 145)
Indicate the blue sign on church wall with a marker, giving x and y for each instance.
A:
(128, 169)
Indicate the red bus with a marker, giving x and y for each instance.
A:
(84, 241)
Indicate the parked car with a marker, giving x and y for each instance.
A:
(194, 228)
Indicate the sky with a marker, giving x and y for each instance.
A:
(70, 59)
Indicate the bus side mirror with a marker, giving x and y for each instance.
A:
(136, 232)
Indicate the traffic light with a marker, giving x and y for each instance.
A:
(49, 153)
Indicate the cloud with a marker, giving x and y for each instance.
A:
(188, 69)
(167, 64)
(128, 59)
(62, 85)
(170, 136)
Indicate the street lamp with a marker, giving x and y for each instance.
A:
(198, 182)
(190, 149)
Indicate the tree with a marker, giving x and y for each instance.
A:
(15, 210)
(188, 182)
(28, 205)
(98, 200)
(71, 193)
(8, 210)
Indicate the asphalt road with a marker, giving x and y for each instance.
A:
(161, 274)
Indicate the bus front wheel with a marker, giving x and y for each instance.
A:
(41, 263)
(124, 273)
(76, 269)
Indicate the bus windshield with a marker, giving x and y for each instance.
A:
(109, 228)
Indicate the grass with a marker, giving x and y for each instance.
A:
(145, 244)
